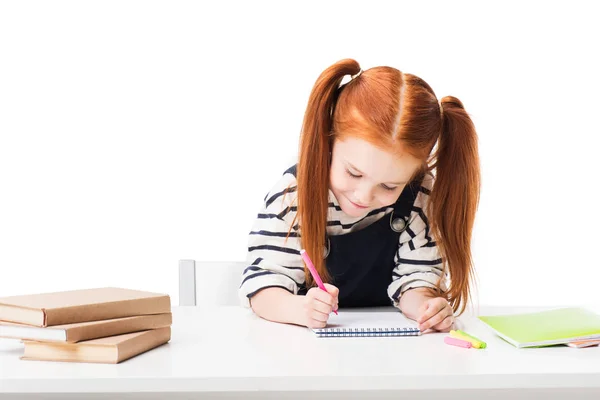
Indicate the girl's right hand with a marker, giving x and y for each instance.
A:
(318, 304)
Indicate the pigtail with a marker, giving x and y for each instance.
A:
(455, 197)
(314, 162)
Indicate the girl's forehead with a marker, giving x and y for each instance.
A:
(374, 162)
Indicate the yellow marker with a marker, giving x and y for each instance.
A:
(457, 335)
(481, 342)
(478, 344)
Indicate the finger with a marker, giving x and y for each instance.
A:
(317, 293)
(324, 297)
(445, 325)
(434, 320)
(332, 290)
(313, 323)
(319, 316)
(434, 306)
(423, 308)
(321, 307)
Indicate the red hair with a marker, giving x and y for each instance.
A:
(396, 112)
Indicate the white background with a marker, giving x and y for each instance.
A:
(135, 134)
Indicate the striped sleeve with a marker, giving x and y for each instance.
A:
(273, 260)
(417, 262)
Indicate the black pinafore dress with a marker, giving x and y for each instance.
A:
(360, 263)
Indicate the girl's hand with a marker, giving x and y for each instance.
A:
(437, 314)
(318, 304)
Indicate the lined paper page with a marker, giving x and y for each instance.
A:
(369, 321)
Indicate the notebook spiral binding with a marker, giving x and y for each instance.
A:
(337, 332)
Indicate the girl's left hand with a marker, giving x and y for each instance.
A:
(437, 314)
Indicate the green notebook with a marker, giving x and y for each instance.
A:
(545, 328)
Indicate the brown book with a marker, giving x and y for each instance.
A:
(73, 333)
(108, 350)
(59, 308)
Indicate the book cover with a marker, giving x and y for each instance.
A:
(77, 332)
(59, 308)
(108, 350)
(545, 328)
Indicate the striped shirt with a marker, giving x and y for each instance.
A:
(274, 261)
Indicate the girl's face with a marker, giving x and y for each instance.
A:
(364, 177)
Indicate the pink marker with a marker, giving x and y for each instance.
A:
(457, 342)
(313, 272)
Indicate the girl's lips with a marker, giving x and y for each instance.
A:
(357, 205)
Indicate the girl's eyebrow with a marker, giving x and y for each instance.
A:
(362, 173)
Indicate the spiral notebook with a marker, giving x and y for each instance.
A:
(365, 322)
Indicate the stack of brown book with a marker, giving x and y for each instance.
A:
(101, 325)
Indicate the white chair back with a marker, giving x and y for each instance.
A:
(209, 282)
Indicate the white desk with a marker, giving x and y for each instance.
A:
(228, 352)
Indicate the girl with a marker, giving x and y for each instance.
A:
(364, 204)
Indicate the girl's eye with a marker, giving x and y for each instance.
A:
(352, 175)
(388, 188)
